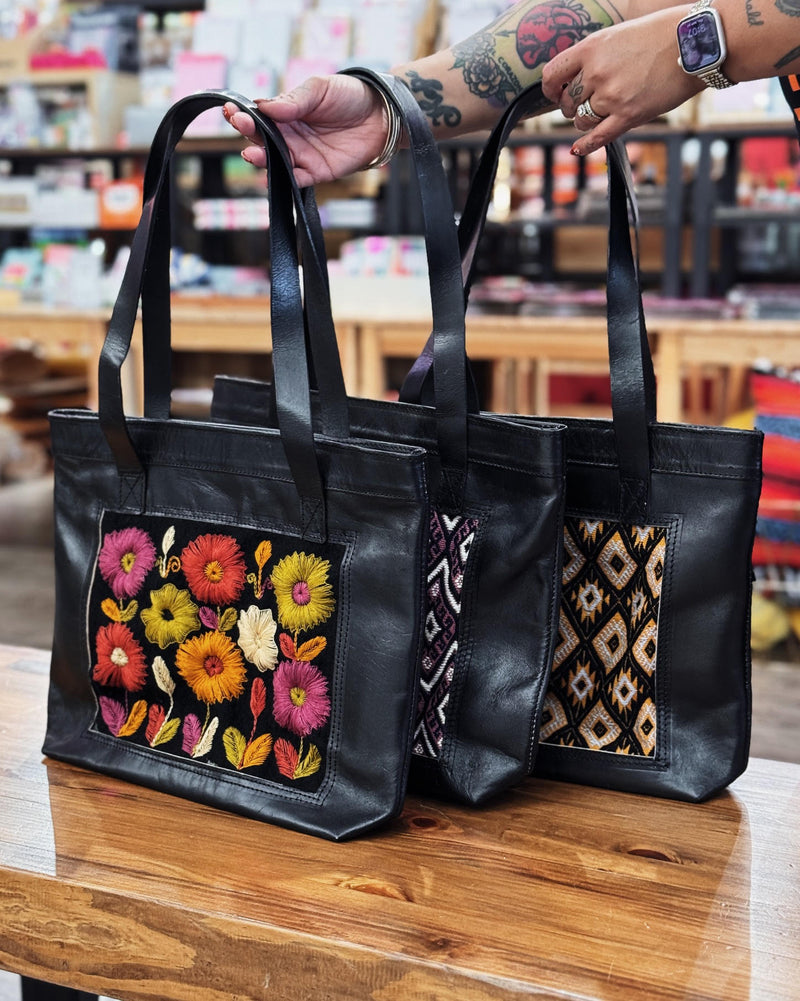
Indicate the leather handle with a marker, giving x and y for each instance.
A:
(631, 366)
(448, 339)
(289, 342)
(155, 303)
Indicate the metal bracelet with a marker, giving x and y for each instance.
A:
(393, 136)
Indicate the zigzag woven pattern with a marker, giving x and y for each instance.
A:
(602, 693)
(449, 543)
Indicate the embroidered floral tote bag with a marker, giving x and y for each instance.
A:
(650, 685)
(494, 541)
(238, 610)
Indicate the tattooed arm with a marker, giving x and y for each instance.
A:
(464, 88)
(336, 124)
(631, 75)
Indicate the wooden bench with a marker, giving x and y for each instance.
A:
(555, 892)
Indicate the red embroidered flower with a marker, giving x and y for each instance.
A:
(550, 28)
(120, 660)
(214, 569)
(126, 558)
(300, 697)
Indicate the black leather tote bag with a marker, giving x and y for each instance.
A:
(494, 543)
(650, 685)
(238, 610)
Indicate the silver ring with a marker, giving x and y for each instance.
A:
(585, 111)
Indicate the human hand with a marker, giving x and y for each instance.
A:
(333, 126)
(628, 73)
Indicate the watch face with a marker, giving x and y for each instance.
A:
(698, 40)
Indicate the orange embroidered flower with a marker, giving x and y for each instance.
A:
(214, 569)
(120, 660)
(212, 667)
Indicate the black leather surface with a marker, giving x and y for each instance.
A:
(703, 483)
(508, 475)
(375, 500)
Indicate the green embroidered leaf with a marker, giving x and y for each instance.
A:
(235, 746)
(257, 751)
(163, 678)
(136, 717)
(308, 764)
(311, 648)
(228, 620)
(167, 732)
(203, 746)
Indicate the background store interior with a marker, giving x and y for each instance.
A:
(82, 88)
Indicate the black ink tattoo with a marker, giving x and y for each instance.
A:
(790, 7)
(575, 88)
(429, 97)
(788, 58)
(484, 73)
(753, 15)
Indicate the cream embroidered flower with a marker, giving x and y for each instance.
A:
(257, 637)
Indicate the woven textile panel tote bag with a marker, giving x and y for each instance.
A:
(238, 610)
(650, 686)
(494, 544)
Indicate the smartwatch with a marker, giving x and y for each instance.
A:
(701, 43)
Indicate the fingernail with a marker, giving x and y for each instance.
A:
(244, 156)
(226, 114)
(575, 151)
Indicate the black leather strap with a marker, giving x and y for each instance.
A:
(416, 385)
(447, 296)
(631, 366)
(333, 415)
(633, 384)
(289, 343)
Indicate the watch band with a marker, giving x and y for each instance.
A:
(716, 79)
(712, 78)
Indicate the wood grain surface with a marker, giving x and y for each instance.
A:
(556, 892)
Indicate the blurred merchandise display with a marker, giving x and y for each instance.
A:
(776, 553)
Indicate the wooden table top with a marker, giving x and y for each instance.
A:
(557, 892)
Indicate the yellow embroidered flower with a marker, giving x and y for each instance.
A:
(171, 616)
(304, 596)
(212, 667)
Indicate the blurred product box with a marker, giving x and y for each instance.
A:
(114, 32)
(121, 204)
(17, 198)
(67, 208)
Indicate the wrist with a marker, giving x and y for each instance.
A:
(702, 45)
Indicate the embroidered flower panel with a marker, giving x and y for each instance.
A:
(215, 644)
(602, 692)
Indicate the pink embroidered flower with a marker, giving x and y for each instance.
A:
(214, 569)
(120, 660)
(126, 558)
(300, 697)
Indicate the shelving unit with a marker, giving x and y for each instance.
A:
(676, 253)
(714, 207)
